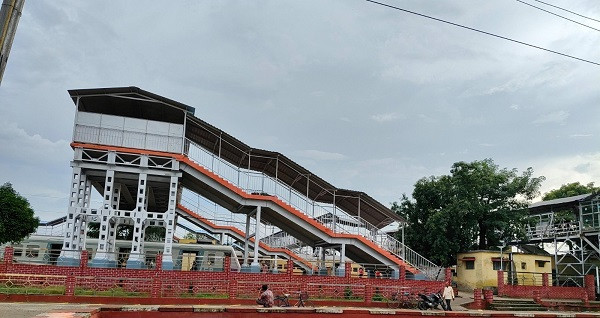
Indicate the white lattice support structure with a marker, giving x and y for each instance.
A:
(116, 198)
(105, 257)
(74, 235)
(137, 258)
(170, 224)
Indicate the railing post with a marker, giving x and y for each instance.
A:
(368, 294)
(227, 267)
(156, 287)
(500, 283)
(590, 286)
(545, 281)
(348, 269)
(488, 296)
(477, 301)
(9, 255)
(290, 268)
(83, 260)
(70, 286)
(402, 275)
(158, 266)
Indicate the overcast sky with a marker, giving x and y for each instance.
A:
(366, 97)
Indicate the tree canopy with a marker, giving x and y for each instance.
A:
(569, 190)
(17, 218)
(476, 206)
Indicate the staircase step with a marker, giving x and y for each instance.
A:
(516, 305)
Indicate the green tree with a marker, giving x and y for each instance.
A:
(476, 206)
(17, 218)
(569, 190)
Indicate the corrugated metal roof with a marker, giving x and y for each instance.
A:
(572, 199)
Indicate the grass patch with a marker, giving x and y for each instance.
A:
(113, 292)
(31, 290)
(203, 296)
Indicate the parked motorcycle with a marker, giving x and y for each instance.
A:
(431, 301)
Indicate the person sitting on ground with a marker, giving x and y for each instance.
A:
(266, 297)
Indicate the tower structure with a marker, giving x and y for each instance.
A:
(571, 226)
(138, 151)
(139, 190)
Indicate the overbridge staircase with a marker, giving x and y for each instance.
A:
(239, 235)
(240, 190)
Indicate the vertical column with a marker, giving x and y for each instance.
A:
(323, 268)
(246, 243)
(136, 257)
(274, 266)
(341, 269)
(255, 266)
(395, 273)
(170, 221)
(69, 256)
(113, 226)
(103, 257)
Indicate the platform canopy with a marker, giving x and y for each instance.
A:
(560, 204)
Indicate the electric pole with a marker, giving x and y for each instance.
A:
(9, 19)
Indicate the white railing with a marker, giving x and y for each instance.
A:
(56, 230)
(547, 226)
(341, 222)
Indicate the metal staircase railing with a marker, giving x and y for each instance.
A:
(547, 227)
(328, 215)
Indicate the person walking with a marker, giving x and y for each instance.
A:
(448, 295)
(266, 297)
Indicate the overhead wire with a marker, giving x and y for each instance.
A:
(484, 32)
(575, 13)
(558, 15)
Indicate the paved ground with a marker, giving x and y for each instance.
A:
(30, 310)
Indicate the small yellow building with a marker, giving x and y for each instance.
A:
(479, 269)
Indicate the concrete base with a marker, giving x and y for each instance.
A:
(245, 269)
(323, 272)
(395, 274)
(167, 265)
(136, 264)
(340, 271)
(103, 263)
(255, 268)
(67, 261)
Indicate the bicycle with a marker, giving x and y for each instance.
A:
(282, 300)
(303, 300)
(401, 299)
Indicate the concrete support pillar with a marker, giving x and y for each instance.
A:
(136, 257)
(112, 232)
(274, 269)
(103, 257)
(323, 267)
(255, 266)
(341, 270)
(170, 223)
(245, 266)
(78, 199)
(396, 271)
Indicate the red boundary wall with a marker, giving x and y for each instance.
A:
(166, 287)
(547, 291)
